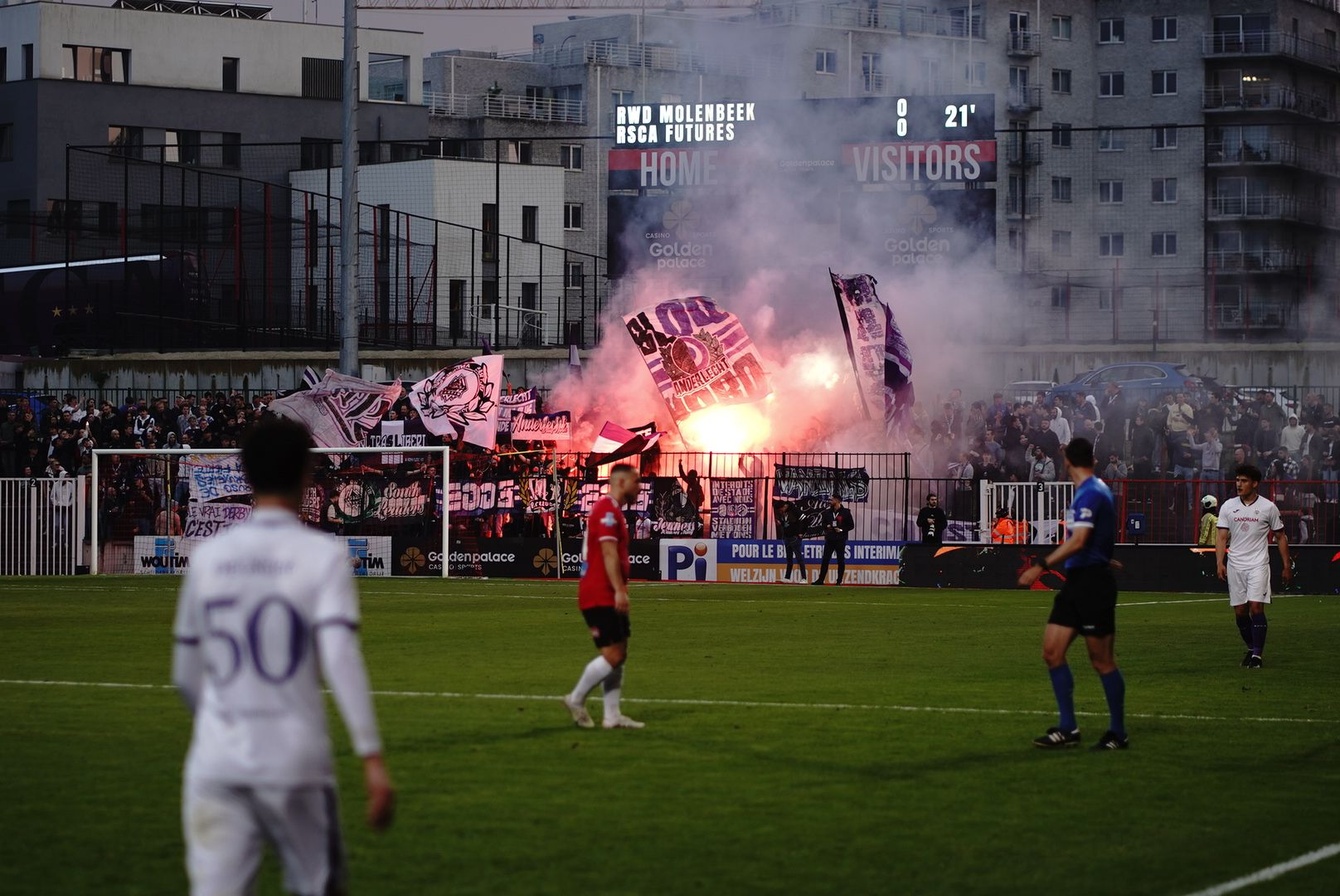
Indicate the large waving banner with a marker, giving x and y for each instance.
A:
(699, 355)
(462, 401)
(340, 410)
(878, 350)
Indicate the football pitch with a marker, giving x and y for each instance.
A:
(799, 740)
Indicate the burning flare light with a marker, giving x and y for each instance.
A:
(727, 429)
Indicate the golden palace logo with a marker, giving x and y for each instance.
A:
(546, 561)
(413, 560)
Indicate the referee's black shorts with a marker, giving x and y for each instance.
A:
(1087, 602)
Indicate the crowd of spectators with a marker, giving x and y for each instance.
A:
(1191, 434)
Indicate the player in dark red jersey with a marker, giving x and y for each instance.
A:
(602, 596)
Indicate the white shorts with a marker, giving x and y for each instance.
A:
(227, 826)
(1246, 585)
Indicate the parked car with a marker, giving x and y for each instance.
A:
(1137, 379)
(1027, 390)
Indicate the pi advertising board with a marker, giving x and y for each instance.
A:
(171, 554)
(764, 562)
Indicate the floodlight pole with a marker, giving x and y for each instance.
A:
(349, 198)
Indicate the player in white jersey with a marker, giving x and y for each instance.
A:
(267, 611)
(1242, 555)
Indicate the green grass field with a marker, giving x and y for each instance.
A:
(798, 740)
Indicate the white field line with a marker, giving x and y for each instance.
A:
(745, 704)
(1274, 871)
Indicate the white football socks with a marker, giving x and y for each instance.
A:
(613, 687)
(595, 672)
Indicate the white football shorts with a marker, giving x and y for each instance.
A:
(227, 827)
(1249, 585)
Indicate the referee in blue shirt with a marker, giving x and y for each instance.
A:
(1086, 604)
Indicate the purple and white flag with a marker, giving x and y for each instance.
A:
(339, 411)
(527, 401)
(699, 355)
(462, 401)
(879, 353)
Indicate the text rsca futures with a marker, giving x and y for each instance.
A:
(679, 122)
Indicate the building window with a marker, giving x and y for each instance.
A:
(1060, 297)
(621, 98)
(1163, 244)
(1165, 137)
(1061, 242)
(1060, 134)
(1110, 140)
(488, 218)
(1111, 245)
(1106, 298)
(1111, 83)
(825, 62)
(574, 275)
(231, 153)
(1163, 190)
(102, 65)
(530, 223)
(1060, 80)
(27, 62)
(1111, 192)
(1061, 27)
(572, 216)
(316, 153)
(488, 297)
(6, 142)
(570, 156)
(388, 77)
(1061, 189)
(1165, 28)
(1164, 83)
(322, 79)
(4, 65)
(126, 141)
(1111, 31)
(872, 72)
(975, 73)
(230, 74)
(108, 219)
(518, 152)
(18, 219)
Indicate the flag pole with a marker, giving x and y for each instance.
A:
(851, 349)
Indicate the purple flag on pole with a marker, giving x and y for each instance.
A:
(878, 350)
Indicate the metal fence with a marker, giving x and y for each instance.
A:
(42, 526)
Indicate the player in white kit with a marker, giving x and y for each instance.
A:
(1242, 555)
(267, 611)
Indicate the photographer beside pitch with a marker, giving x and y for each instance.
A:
(1246, 522)
(1086, 604)
(267, 611)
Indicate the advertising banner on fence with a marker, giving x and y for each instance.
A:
(764, 562)
(514, 558)
(171, 554)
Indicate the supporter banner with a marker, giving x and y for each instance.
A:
(212, 478)
(517, 558)
(734, 508)
(733, 560)
(204, 520)
(852, 484)
(388, 497)
(531, 494)
(811, 512)
(698, 355)
(462, 401)
(1144, 568)
(878, 351)
(340, 410)
(527, 401)
(171, 554)
(555, 427)
(671, 513)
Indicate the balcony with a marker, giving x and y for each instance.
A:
(1252, 261)
(1022, 207)
(1024, 43)
(1023, 153)
(1266, 98)
(1024, 100)
(1258, 316)
(674, 59)
(1270, 206)
(1238, 45)
(1273, 152)
(886, 16)
(525, 108)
